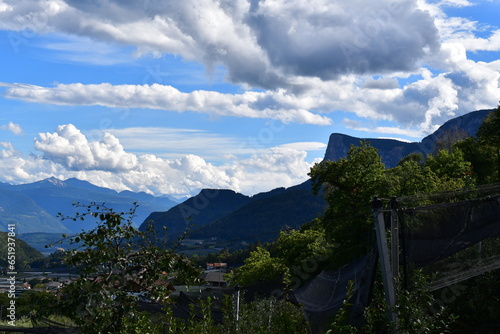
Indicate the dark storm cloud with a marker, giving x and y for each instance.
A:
(329, 38)
(267, 44)
(264, 43)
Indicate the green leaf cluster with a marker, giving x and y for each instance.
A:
(295, 257)
(350, 183)
(483, 150)
(116, 262)
(259, 266)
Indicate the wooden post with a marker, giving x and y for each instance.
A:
(394, 237)
(388, 280)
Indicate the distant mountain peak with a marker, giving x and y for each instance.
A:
(56, 182)
(54, 196)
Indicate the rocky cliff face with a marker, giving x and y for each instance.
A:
(391, 151)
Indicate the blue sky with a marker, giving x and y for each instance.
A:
(171, 97)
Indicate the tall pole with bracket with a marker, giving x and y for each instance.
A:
(387, 277)
(394, 237)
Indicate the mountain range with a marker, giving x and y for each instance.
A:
(265, 215)
(19, 209)
(34, 207)
(215, 214)
(234, 219)
(224, 215)
(391, 150)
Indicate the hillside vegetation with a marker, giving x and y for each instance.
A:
(25, 254)
(224, 215)
(345, 231)
(263, 219)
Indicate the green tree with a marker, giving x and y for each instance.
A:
(482, 159)
(488, 135)
(411, 177)
(267, 316)
(483, 150)
(296, 256)
(349, 185)
(441, 171)
(451, 169)
(305, 252)
(116, 262)
(350, 182)
(296, 246)
(260, 265)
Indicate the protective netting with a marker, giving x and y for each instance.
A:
(323, 296)
(435, 232)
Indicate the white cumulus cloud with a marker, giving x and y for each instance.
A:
(12, 127)
(66, 153)
(70, 148)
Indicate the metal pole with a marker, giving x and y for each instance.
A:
(394, 237)
(237, 317)
(388, 280)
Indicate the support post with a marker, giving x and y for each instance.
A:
(388, 279)
(237, 306)
(394, 237)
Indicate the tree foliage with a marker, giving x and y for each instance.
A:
(442, 171)
(25, 254)
(297, 246)
(266, 315)
(411, 177)
(345, 231)
(349, 184)
(116, 263)
(451, 169)
(260, 266)
(483, 150)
